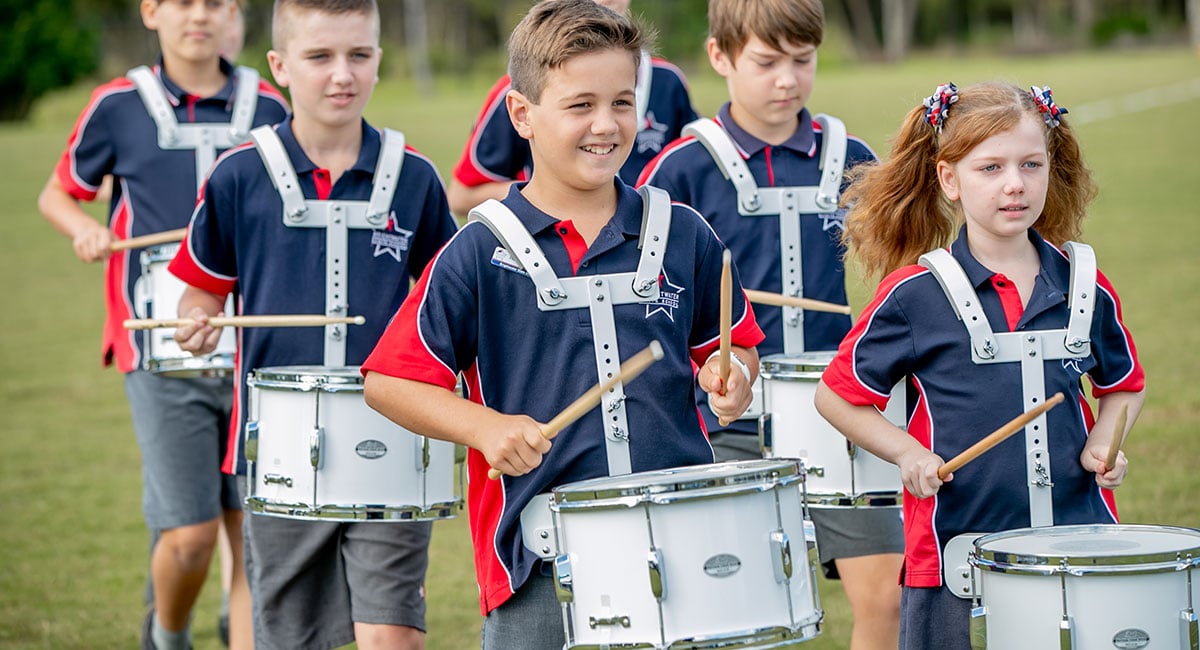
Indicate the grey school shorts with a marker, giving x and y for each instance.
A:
(181, 427)
(841, 532)
(310, 581)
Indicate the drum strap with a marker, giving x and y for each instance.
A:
(1031, 349)
(336, 217)
(788, 203)
(205, 138)
(598, 293)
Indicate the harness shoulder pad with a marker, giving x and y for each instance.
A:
(387, 175)
(733, 167)
(279, 169)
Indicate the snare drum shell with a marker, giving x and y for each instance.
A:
(716, 564)
(1125, 586)
(161, 291)
(838, 472)
(366, 462)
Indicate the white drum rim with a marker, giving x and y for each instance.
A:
(998, 561)
(805, 366)
(352, 512)
(329, 379)
(678, 484)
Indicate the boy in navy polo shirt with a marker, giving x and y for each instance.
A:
(526, 351)
(319, 584)
(137, 129)
(1010, 314)
(495, 156)
(767, 52)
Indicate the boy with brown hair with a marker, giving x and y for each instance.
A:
(284, 250)
(156, 131)
(525, 352)
(763, 145)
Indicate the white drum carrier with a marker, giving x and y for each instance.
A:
(336, 217)
(840, 473)
(711, 556)
(1087, 588)
(157, 293)
(205, 138)
(596, 293)
(317, 451)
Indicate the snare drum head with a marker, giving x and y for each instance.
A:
(806, 366)
(680, 480)
(308, 377)
(1094, 545)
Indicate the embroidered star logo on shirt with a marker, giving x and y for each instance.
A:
(668, 298)
(835, 219)
(652, 135)
(393, 241)
(1073, 365)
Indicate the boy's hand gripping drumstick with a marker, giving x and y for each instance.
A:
(272, 320)
(589, 400)
(780, 300)
(999, 435)
(164, 237)
(1118, 438)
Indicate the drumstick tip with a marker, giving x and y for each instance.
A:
(726, 257)
(358, 320)
(656, 350)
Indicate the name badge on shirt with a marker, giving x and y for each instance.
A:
(503, 259)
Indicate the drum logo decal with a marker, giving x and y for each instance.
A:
(722, 565)
(370, 449)
(1131, 639)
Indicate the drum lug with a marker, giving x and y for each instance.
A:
(654, 562)
(564, 580)
(978, 627)
(1189, 631)
(314, 447)
(816, 470)
(781, 556)
(622, 620)
(250, 442)
(279, 479)
(422, 455)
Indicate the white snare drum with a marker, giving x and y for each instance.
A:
(317, 451)
(1088, 587)
(158, 293)
(711, 556)
(840, 473)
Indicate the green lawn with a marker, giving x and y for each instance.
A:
(72, 545)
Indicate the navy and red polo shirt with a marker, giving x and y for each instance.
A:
(237, 241)
(153, 189)
(687, 171)
(496, 153)
(475, 312)
(910, 330)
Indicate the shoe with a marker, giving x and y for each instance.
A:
(223, 629)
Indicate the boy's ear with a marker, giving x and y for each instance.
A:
(947, 177)
(278, 68)
(518, 112)
(717, 58)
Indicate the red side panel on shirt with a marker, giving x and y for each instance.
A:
(465, 171)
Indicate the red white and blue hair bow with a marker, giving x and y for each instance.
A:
(937, 105)
(1050, 111)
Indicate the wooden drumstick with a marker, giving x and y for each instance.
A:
(999, 435)
(726, 317)
(590, 399)
(164, 237)
(1114, 447)
(780, 300)
(272, 320)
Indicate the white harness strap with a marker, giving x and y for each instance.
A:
(641, 93)
(1030, 349)
(786, 202)
(597, 293)
(205, 138)
(336, 217)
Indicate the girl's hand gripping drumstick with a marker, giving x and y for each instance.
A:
(271, 320)
(999, 435)
(589, 400)
(780, 300)
(726, 317)
(164, 237)
(1114, 447)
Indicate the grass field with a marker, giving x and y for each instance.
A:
(72, 545)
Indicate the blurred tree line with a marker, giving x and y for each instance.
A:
(53, 43)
